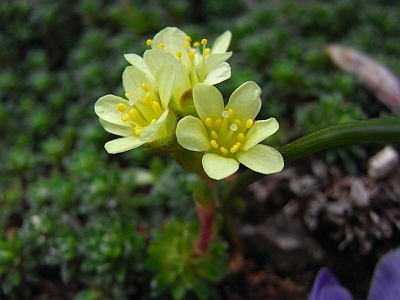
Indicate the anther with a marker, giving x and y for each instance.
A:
(186, 45)
(249, 123)
(121, 107)
(153, 121)
(207, 51)
(218, 123)
(191, 54)
(134, 113)
(145, 87)
(240, 137)
(237, 122)
(230, 113)
(204, 41)
(178, 54)
(214, 144)
(208, 122)
(214, 135)
(161, 45)
(126, 117)
(223, 150)
(149, 42)
(138, 130)
(233, 127)
(234, 149)
(127, 95)
(196, 44)
(148, 98)
(188, 38)
(156, 105)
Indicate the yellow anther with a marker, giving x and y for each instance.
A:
(214, 144)
(196, 44)
(188, 38)
(148, 98)
(237, 122)
(230, 113)
(204, 41)
(178, 54)
(207, 51)
(153, 121)
(218, 123)
(161, 45)
(208, 122)
(134, 113)
(121, 107)
(249, 123)
(156, 105)
(149, 42)
(138, 130)
(145, 87)
(214, 135)
(240, 137)
(223, 150)
(238, 144)
(186, 45)
(234, 149)
(191, 54)
(127, 95)
(126, 117)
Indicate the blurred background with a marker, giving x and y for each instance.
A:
(75, 220)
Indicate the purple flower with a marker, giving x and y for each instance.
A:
(385, 282)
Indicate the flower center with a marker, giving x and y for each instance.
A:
(143, 112)
(227, 133)
(190, 57)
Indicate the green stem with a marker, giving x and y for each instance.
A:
(375, 130)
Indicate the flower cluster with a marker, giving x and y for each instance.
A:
(170, 96)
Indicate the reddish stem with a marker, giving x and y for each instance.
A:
(206, 215)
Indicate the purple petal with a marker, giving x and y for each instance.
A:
(327, 287)
(386, 280)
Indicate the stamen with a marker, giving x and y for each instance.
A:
(149, 42)
(145, 87)
(204, 42)
(148, 98)
(240, 137)
(249, 123)
(127, 95)
(214, 135)
(214, 144)
(121, 107)
(237, 122)
(138, 130)
(161, 45)
(156, 105)
(186, 45)
(191, 55)
(188, 38)
(178, 54)
(234, 149)
(225, 114)
(230, 113)
(126, 117)
(223, 150)
(207, 51)
(134, 113)
(153, 121)
(218, 123)
(196, 44)
(208, 122)
(233, 127)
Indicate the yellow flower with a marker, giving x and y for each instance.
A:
(229, 135)
(191, 62)
(144, 118)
